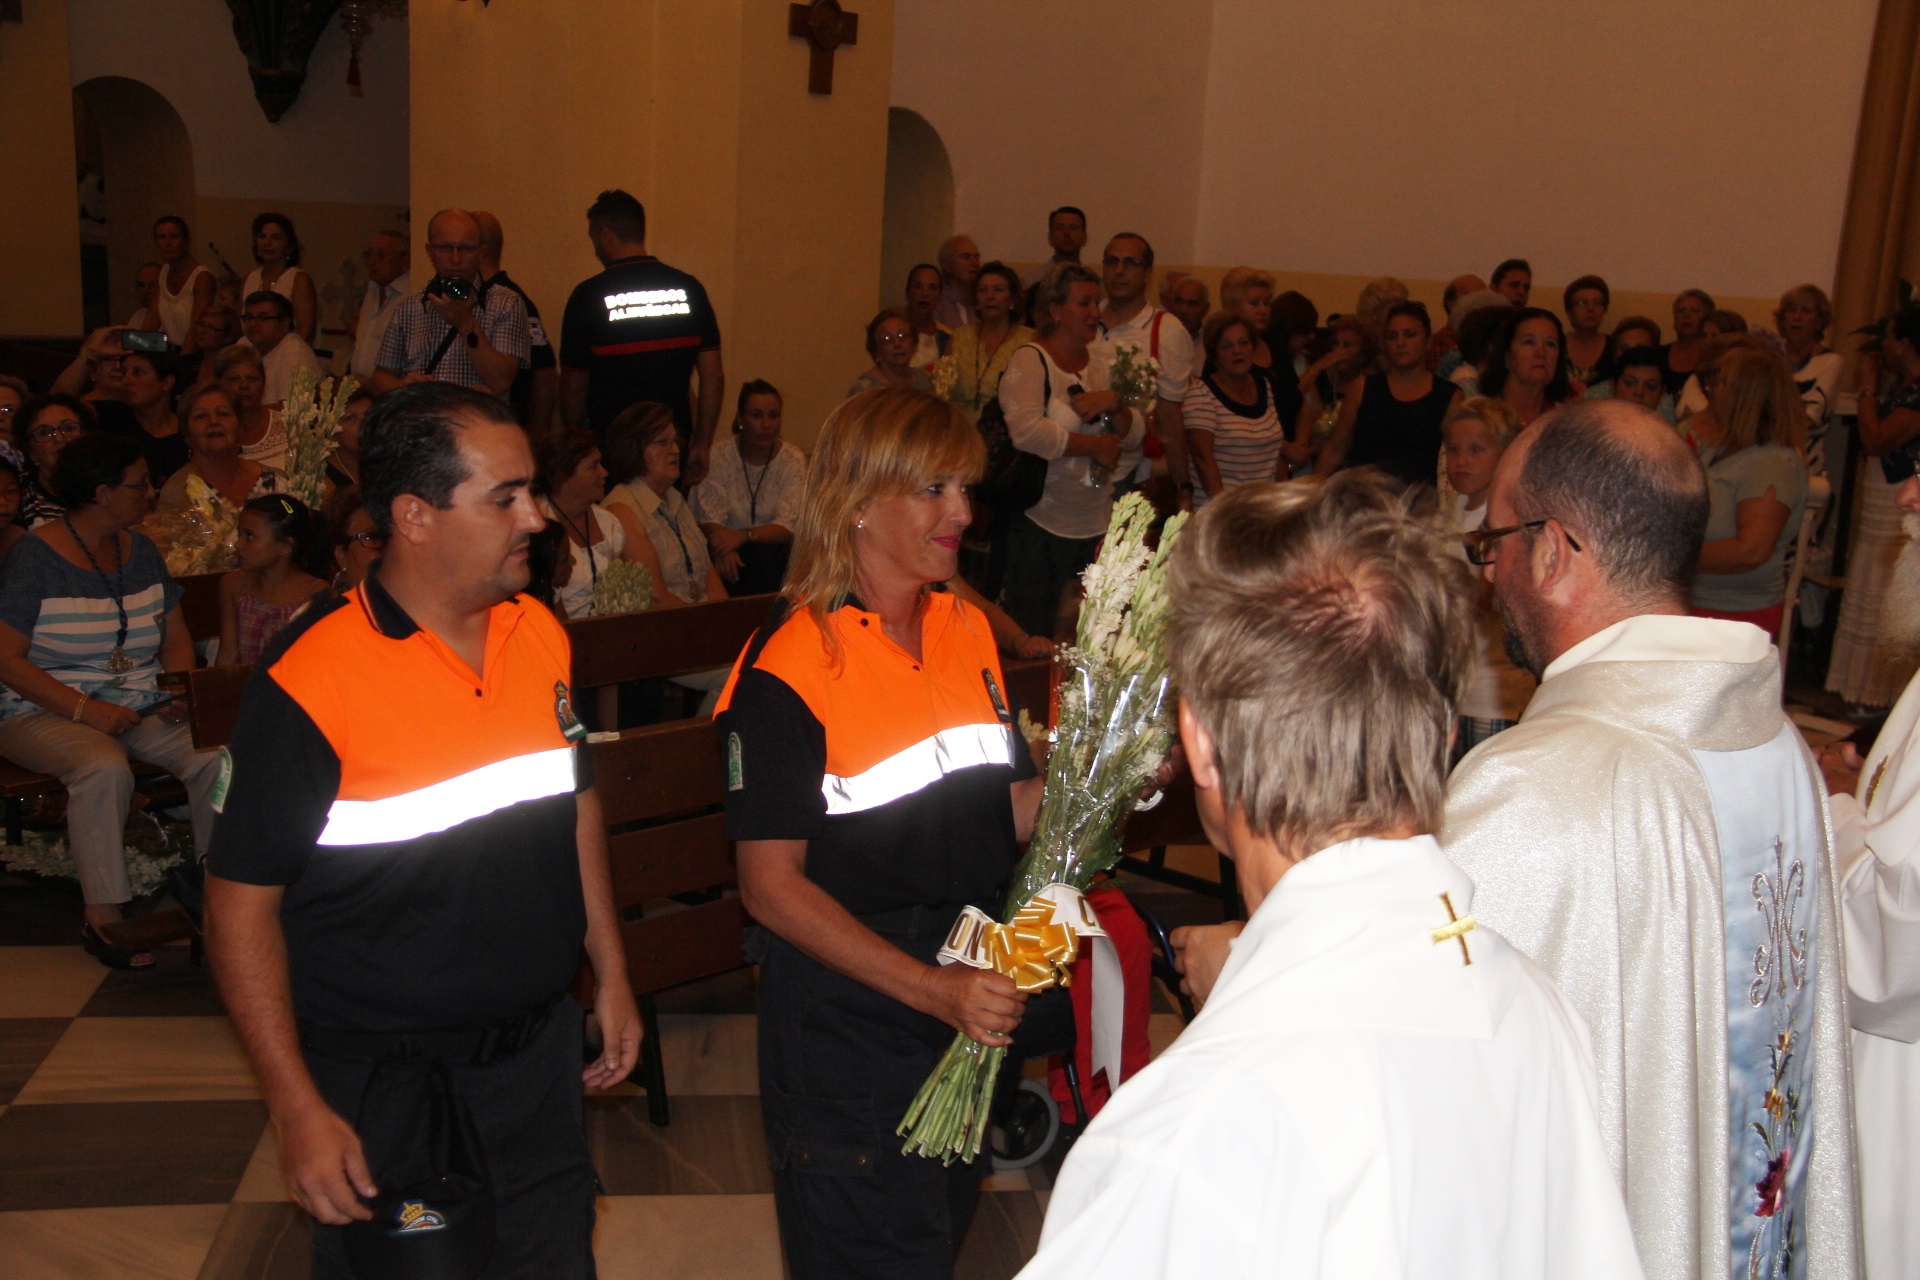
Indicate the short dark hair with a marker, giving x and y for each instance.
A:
(630, 433)
(1643, 514)
(881, 317)
(1509, 266)
(1584, 282)
(759, 387)
(918, 267)
(285, 224)
(36, 405)
(91, 459)
(619, 213)
(1494, 380)
(1015, 290)
(1067, 208)
(1293, 313)
(1418, 310)
(177, 221)
(1146, 245)
(1478, 331)
(1637, 355)
(1646, 324)
(165, 364)
(282, 306)
(409, 444)
(559, 456)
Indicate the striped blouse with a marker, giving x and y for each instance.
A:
(1246, 437)
(69, 617)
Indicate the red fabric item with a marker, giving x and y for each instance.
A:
(1129, 934)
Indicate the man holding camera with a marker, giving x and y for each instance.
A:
(455, 331)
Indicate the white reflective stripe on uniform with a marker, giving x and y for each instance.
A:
(447, 804)
(920, 765)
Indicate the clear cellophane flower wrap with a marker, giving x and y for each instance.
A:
(623, 587)
(1114, 728)
(312, 423)
(197, 538)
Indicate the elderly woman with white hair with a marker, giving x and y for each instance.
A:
(1248, 292)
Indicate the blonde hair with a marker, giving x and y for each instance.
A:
(1501, 422)
(1755, 401)
(1240, 281)
(1375, 297)
(238, 353)
(1053, 291)
(1807, 293)
(880, 444)
(1321, 634)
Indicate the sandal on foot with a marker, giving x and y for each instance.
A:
(110, 955)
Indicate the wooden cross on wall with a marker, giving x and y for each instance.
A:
(825, 26)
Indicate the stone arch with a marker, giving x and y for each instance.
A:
(146, 160)
(919, 200)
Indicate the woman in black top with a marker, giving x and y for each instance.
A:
(1392, 420)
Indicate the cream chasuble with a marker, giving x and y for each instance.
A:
(1876, 836)
(1654, 833)
(1355, 1100)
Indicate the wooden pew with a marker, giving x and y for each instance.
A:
(672, 868)
(213, 703)
(608, 652)
(200, 605)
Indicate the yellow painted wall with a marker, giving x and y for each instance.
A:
(332, 237)
(771, 196)
(39, 214)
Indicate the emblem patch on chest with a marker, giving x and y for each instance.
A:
(570, 727)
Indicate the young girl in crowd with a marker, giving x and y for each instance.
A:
(281, 563)
(1477, 432)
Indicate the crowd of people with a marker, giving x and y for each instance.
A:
(1547, 553)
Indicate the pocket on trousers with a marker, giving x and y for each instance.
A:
(826, 1137)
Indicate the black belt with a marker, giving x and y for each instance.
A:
(481, 1047)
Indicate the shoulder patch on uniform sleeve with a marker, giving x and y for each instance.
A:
(222, 780)
(736, 774)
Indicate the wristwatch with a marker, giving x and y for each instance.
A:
(473, 340)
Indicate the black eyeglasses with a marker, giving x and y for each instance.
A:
(1481, 541)
(368, 539)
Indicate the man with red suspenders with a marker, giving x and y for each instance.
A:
(1128, 319)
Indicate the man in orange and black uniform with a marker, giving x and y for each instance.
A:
(408, 859)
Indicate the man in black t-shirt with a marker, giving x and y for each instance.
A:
(536, 388)
(639, 331)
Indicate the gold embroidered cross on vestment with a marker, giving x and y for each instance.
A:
(1457, 928)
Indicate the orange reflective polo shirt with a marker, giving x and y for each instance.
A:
(420, 817)
(895, 771)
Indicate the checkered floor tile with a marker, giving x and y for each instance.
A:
(133, 1142)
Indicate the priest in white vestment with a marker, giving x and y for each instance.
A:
(1379, 1085)
(1654, 833)
(1876, 832)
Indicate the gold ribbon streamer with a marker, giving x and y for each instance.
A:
(1035, 948)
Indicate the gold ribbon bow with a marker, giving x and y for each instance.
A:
(1035, 948)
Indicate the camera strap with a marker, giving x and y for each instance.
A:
(440, 352)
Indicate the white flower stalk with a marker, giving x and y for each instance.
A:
(311, 418)
(1115, 726)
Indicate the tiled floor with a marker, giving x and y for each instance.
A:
(133, 1142)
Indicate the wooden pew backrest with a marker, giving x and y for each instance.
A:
(200, 605)
(213, 703)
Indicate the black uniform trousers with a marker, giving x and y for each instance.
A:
(527, 1108)
(839, 1065)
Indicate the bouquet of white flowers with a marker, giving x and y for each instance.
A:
(944, 375)
(199, 537)
(1135, 375)
(622, 587)
(1115, 727)
(312, 421)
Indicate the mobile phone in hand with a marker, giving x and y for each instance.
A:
(149, 342)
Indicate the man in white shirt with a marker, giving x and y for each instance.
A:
(1066, 236)
(388, 261)
(1127, 319)
(1378, 1086)
(1876, 835)
(267, 320)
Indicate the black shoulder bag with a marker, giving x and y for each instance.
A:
(1014, 479)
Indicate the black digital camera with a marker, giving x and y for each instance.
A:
(458, 288)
